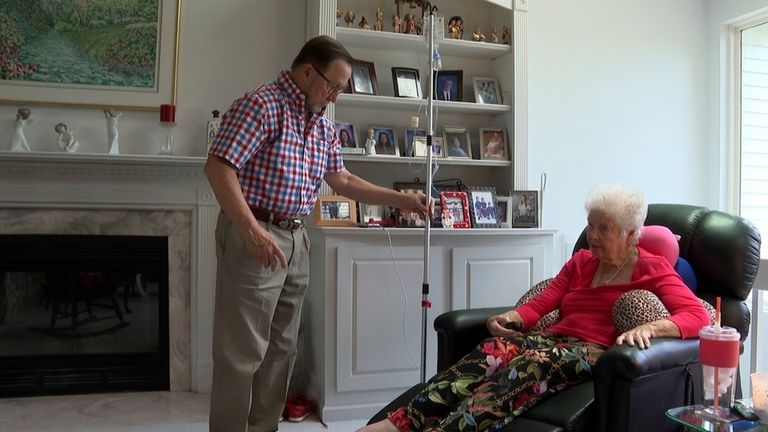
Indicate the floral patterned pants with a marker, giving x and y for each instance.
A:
(497, 381)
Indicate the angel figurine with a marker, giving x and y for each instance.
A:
(378, 25)
(506, 36)
(370, 144)
(113, 147)
(364, 24)
(66, 140)
(18, 140)
(339, 14)
(349, 18)
(494, 35)
(396, 23)
(478, 35)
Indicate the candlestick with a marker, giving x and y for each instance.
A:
(166, 137)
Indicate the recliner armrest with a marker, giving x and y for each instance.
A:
(624, 361)
(459, 331)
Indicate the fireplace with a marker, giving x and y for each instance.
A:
(83, 313)
(129, 195)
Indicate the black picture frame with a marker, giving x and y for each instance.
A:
(406, 82)
(482, 207)
(525, 209)
(456, 78)
(363, 79)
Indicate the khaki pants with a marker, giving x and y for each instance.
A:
(255, 328)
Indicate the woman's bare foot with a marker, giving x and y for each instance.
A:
(382, 426)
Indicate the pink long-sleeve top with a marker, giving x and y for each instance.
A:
(586, 312)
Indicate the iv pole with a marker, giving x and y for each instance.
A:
(425, 303)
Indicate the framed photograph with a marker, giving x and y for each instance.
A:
(486, 90)
(408, 135)
(133, 65)
(449, 85)
(405, 218)
(525, 209)
(386, 142)
(493, 144)
(420, 147)
(406, 82)
(363, 80)
(335, 210)
(372, 214)
(457, 144)
(504, 210)
(456, 204)
(345, 132)
(482, 207)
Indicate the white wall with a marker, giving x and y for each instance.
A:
(227, 47)
(617, 94)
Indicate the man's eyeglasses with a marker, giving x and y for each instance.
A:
(332, 88)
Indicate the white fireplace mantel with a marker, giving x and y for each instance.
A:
(38, 181)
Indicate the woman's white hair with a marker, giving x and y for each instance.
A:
(626, 207)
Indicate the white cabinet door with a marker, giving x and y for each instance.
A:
(378, 321)
(496, 276)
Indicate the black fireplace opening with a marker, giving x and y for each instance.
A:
(83, 314)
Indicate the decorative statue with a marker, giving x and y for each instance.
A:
(456, 27)
(478, 35)
(378, 25)
(113, 147)
(506, 36)
(67, 141)
(396, 23)
(370, 144)
(410, 24)
(494, 35)
(18, 140)
(339, 14)
(364, 24)
(349, 18)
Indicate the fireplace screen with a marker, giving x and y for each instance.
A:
(83, 313)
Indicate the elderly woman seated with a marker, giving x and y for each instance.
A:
(513, 370)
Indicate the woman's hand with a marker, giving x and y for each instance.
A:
(642, 334)
(497, 324)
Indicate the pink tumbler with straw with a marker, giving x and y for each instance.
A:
(719, 352)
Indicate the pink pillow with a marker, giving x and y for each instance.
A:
(659, 240)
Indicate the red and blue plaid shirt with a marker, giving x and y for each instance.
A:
(280, 159)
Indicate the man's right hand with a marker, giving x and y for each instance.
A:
(264, 249)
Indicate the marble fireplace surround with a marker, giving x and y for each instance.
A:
(52, 193)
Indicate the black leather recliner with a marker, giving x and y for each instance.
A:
(633, 388)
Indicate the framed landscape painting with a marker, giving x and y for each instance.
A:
(117, 53)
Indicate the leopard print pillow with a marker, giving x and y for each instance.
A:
(637, 307)
(546, 320)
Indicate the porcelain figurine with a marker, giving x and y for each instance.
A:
(66, 140)
(18, 140)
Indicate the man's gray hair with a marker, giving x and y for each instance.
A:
(625, 206)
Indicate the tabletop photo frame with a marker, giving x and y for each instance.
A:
(405, 218)
(386, 141)
(504, 210)
(335, 210)
(487, 90)
(406, 82)
(420, 147)
(456, 203)
(493, 144)
(345, 132)
(525, 209)
(372, 214)
(449, 85)
(482, 207)
(457, 142)
(363, 80)
(409, 134)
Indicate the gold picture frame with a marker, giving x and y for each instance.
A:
(86, 89)
(335, 210)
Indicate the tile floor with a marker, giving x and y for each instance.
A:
(127, 412)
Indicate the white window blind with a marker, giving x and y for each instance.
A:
(754, 129)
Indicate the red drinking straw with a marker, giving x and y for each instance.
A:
(717, 373)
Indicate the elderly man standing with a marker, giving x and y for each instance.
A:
(272, 152)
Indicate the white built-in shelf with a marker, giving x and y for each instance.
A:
(421, 160)
(388, 41)
(440, 232)
(99, 159)
(391, 102)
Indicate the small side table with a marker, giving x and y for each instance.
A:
(690, 416)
